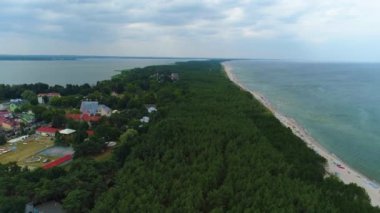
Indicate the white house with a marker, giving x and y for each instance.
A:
(15, 140)
(104, 110)
(41, 96)
(151, 108)
(67, 131)
(144, 119)
(93, 108)
(174, 76)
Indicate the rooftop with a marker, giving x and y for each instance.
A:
(144, 119)
(50, 94)
(47, 129)
(90, 107)
(90, 132)
(67, 131)
(83, 117)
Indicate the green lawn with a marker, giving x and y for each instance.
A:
(25, 149)
(104, 156)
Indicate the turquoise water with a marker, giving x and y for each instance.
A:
(62, 72)
(337, 103)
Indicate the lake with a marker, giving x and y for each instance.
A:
(70, 71)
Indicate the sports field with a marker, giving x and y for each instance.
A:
(23, 151)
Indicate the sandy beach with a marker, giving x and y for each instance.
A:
(334, 165)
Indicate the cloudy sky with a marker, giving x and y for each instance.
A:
(287, 29)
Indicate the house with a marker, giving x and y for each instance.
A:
(93, 108)
(13, 107)
(90, 132)
(144, 119)
(174, 76)
(6, 121)
(151, 108)
(8, 124)
(89, 107)
(15, 104)
(51, 206)
(67, 131)
(111, 143)
(27, 118)
(47, 131)
(115, 94)
(16, 101)
(16, 140)
(41, 97)
(67, 134)
(5, 114)
(3, 107)
(104, 110)
(83, 117)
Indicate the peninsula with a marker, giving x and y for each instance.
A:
(206, 146)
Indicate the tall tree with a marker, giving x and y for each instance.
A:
(30, 96)
(3, 139)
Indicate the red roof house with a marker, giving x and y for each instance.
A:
(83, 117)
(90, 132)
(50, 131)
(4, 113)
(50, 94)
(8, 124)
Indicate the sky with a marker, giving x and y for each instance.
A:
(327, 30)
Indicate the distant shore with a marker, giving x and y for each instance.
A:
(334, 165)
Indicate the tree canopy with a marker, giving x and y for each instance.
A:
(214, 148)
(211, 147)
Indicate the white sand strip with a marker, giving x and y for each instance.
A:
(334, 165)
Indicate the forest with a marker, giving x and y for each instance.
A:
(211, 147)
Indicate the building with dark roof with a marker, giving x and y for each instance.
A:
(89, 107)
(48, 207)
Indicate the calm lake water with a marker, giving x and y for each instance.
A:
(62, 72)
(337, 103)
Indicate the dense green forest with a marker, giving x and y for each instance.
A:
(217, 149)
(210, 148)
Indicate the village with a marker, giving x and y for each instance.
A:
(35, 144)
(77, 133)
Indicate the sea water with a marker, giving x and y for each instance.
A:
(69, 70)
(337, 103)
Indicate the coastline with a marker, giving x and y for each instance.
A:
(334, 165)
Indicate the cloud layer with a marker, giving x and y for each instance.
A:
(297, 29)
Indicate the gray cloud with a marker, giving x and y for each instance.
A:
(187, 27)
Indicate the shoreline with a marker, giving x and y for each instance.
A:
(334, 166)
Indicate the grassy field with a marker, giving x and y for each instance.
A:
(25, 149)
(104, 156)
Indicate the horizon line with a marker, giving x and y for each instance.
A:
(41, 57)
